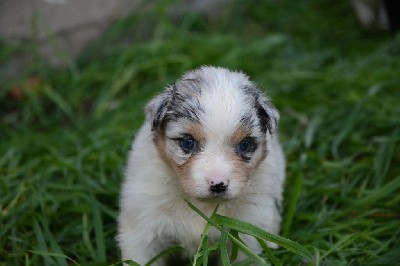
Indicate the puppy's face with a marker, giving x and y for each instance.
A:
(211, 128)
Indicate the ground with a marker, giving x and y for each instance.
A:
(65, 133)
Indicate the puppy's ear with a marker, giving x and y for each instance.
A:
(266, 112)
(157, 108)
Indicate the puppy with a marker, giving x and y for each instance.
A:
(210, 139)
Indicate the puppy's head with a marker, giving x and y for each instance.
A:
(212, 128)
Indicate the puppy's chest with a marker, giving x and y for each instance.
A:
(185, 230)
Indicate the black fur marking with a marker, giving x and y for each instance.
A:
(159, 115)
(244, 158)
(265, 120)
(181, 102)
(248, 121)
(261, 104)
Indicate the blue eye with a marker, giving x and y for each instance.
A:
(188, 144)
(247, 145)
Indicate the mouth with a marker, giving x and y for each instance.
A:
(216, 197)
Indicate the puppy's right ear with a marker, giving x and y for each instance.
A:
(157, 108)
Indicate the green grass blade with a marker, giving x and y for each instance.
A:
(204, 237)
(52, 254)
(343, 241)
(384, 156)
(224, 246)
(347, 127)
(206, 252)
(26, 259)
(236, 241)
(311, 130)
(53, 244)
(257, 232)
(235, 248)
(209, 220)
(295, 192)
(129, 262)
(42, 244)
(251, 254)
(269, 253)
(57, 99)
(98, 230)
(377, 194)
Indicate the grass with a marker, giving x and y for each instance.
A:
(63, 143)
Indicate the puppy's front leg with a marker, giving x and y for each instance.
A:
(139, 246)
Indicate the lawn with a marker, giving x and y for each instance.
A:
(64, 142)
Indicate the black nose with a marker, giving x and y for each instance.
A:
(218, 188)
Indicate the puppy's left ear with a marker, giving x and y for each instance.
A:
(157, 108)
(266, 112)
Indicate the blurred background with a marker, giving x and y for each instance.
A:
(76, 74)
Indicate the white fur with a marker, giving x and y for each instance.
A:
(154, 214)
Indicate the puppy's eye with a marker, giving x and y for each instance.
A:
(188, 143)
(247, 145)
